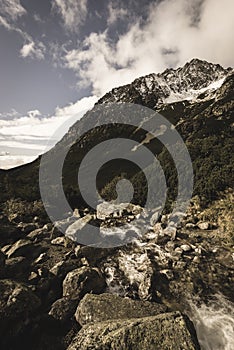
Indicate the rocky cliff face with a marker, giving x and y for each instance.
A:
(173, 85)
(59, 294)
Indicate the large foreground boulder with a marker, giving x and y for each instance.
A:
(99, 308)
(170, 331)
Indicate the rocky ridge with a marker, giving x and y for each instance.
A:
(173, 85)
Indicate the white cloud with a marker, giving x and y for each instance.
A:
(9, 25)
(175, 32)
(115, 13)
(4, 23)
(33, 50)
(12, 9)
(73, 12)
(34, 113)
(23, 138)
(78, 107)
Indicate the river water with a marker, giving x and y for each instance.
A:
(214, 323)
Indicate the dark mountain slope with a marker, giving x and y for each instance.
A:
(201, 109)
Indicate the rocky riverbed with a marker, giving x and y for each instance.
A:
(58, 294)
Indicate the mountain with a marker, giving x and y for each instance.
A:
(173, 85)
(196, 98)
(59, 292)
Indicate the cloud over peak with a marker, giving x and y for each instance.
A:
(174, 32)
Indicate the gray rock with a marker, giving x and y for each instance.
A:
(63, 309)
(9, 234)
(5, 248)
(171, 231)
(106, 210)
(33, 277)
(186, 247)
(94, 255)
(38, 234)
(20, 248)
(82, 281)
(62, 268)
(76, 213)
(17, 303)
(59, 241)
(17, 267)
(154, 219)
(41, 258)
(78, 225)
(169, 246)
(197, 260)
(99, 308)
(204, 225)
(165, 331)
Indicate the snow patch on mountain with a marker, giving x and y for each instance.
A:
(192, 95)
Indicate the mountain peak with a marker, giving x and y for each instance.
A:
(183, 83)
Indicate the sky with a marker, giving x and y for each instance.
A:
(58, 57)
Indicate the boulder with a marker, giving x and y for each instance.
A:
(17, 303)
(48, 287)
(38, 235)
(63, 242)
(99, 308)
(18, 266)
(186, 247)
(62, 268)
(106, 210)
(9, 234)
(171, 231)
(73, 230)
(94, 255)
(165, 331)
(22, 247)
(203, 225)
(64, 309)
(59, 241)
(5, 248)
(82, 281)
